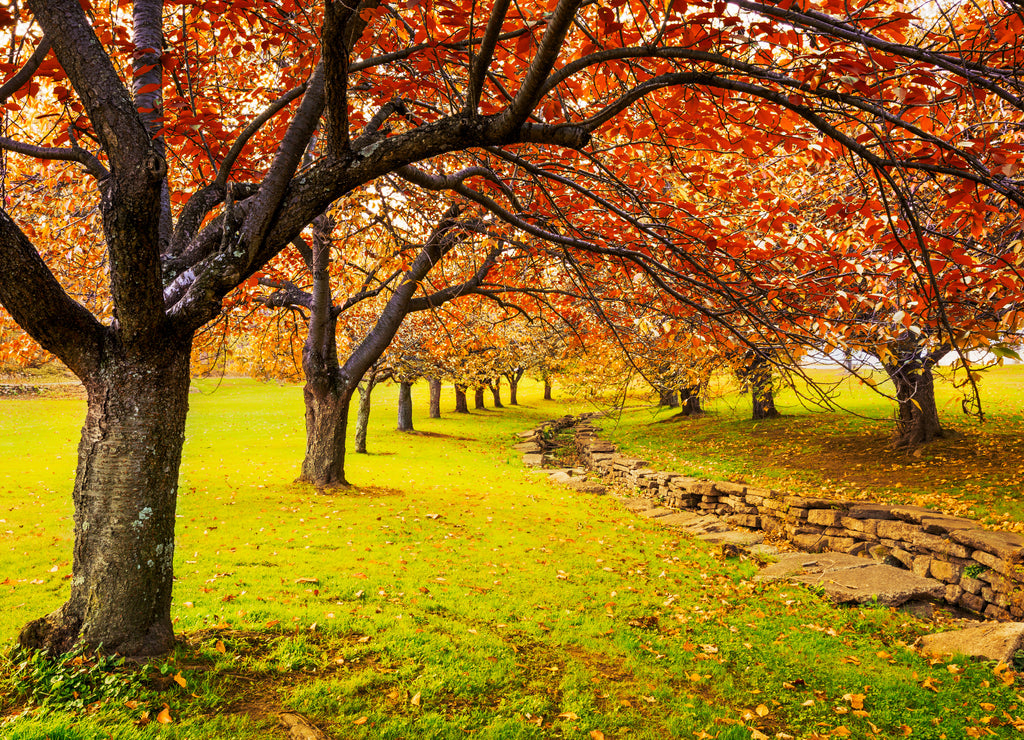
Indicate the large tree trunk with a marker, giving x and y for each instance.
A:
(917, 422)
(125, 496)
(496, 392)
(547, 389)
(435, 398)
(405, 407)
(363, 413)
(689, 401)
(461, 407)
(478, 398)
(327, 403)
(758, 376)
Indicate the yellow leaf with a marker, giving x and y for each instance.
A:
(164, 717)
(596, 735)
(987, 707)
(180, 680)
(415, 700)
(361, 721)
(569, 715)
(856, 700)
(220, 647)
(841, 732)
(762, 710)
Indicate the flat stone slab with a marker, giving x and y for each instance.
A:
(527, 447)
(849, 579)
(533, 460)
(733, 537)
(990, 641)
(657, 512)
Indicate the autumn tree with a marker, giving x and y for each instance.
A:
(192, 124)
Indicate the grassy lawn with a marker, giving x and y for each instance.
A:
(976, 472)
(450, 593)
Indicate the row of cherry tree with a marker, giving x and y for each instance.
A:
(749, 180)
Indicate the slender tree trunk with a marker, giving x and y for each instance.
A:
(124, 497)
(405, 407)
(461, 407)
(327, 402)
(478, 398)
(917, 421)
(496, 392)
(513, 377)
(435, 398)
(363, 414)
(547, 389)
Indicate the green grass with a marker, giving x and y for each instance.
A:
(975, 472)
(449, 593)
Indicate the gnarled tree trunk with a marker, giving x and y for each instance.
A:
(405, 407)
(917, 420)
(689, 401)
(478, 398)
(514, 376)
(495, 387)
(547, 389)
(435, 398)
(327, 399)
(125, 497)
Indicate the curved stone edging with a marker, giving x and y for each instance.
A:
(981, 570)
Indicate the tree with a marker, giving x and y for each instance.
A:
(543, 115)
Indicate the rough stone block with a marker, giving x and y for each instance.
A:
(993, 611)
(807, 502)
(533, 460)
(911, 514)
(868, 527)
(946, 571)
(797, 513)
(841, 544)
(883, 555)
(897, 530)
(810, 542)
(922, 565)
(943, 524)
(903, 556)
(971, 585)
(729, 488)
(745, 520)
(972, 602)
(990, 561)
(953, 593)
(1004, 545)
(870, 511)
(824, 517)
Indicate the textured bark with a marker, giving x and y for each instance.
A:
(405, 407)
(478, 398)
(762, 394)
(496, 392)
(689, 401)
(547, 389)
(125, 497)
(327, 400)
(435, 398)
(461, 407)
(917, 420)
(363, 414)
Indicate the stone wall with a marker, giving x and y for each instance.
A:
(983, 571)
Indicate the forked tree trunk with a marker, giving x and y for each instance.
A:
(547, 389)
(124, 497)
(496, 392)
(363, 414)
(435, 398)
(327, 402)
(405, 407)
(514, 376)
(461, 407)
(917, 422)
(478, 398)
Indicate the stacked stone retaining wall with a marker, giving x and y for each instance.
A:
(982, 570)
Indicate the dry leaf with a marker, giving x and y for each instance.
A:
(569, 715)
(762, 710)
(307, 580)
(219, 647)
(180, 680)
(596, 735)
(361, 721)
(856, 700)
(164, 717)
(415, 700)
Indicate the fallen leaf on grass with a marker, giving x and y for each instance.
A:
(180, 680)
(931, 684)
(164, 717)
(219, 647)
(596, 735)
(850, 659)
(307, 580)
(415, 700)
(856, 700)
(569, 715)
(361, 721)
